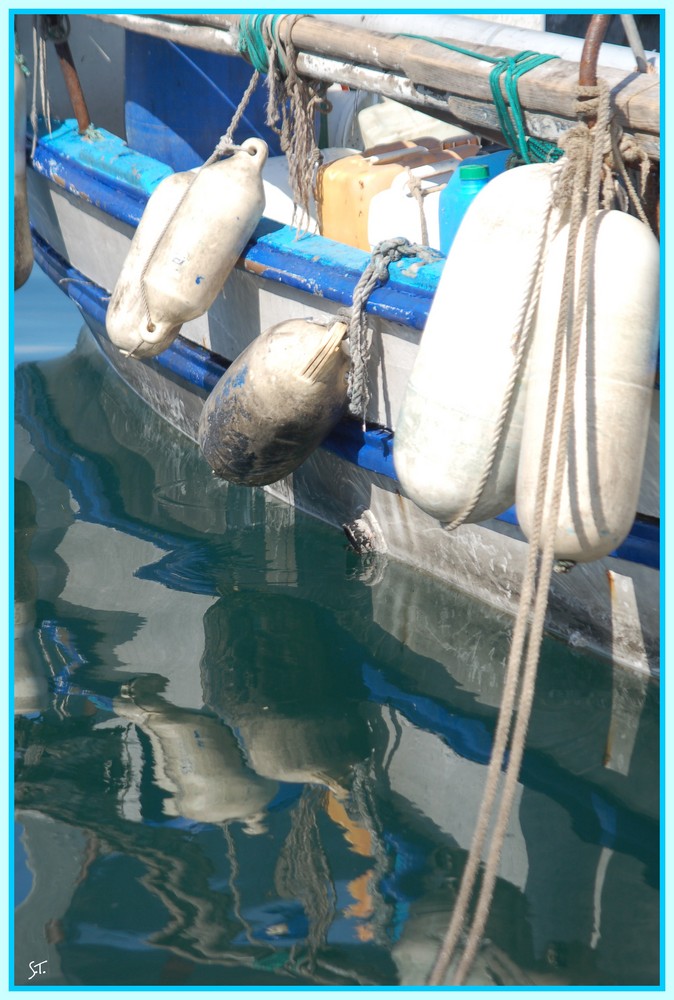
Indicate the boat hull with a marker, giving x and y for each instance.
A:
(84, 213)
(609, 607)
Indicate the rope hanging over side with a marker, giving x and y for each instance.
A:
(293, 100)
(578, 193)
(376, 273)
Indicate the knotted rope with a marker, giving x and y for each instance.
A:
(360, 343)
(577, 192)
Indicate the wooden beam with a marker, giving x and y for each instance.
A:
(426, 75)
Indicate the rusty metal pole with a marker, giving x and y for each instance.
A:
(56, 31)
(596, 32)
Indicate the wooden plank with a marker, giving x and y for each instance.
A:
(426, 75)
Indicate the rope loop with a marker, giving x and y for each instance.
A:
(376, 273)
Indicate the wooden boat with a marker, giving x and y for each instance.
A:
(159, 92)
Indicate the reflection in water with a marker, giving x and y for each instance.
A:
(243, 758)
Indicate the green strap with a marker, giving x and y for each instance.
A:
(252, 42)
(508, 107)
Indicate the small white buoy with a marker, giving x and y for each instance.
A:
(23, 244)
(450, 410)
(192, 232)
(276, 402)
(612, 392)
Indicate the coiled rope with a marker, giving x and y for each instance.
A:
(578, 191)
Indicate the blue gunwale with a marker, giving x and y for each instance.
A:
(101, 169)
(370, 449)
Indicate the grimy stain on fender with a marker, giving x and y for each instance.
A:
(276, 402)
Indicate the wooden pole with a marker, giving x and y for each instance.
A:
(419, 73)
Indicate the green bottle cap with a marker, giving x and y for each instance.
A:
(473, 172)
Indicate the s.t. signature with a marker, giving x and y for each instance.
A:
(36, 969)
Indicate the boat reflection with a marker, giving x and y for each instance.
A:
(243, 757)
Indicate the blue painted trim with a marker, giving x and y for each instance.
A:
(118, 181)
(99, 168)
(371, 449)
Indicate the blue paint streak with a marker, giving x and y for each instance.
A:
(371, 449)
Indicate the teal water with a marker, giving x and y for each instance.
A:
(246, 756)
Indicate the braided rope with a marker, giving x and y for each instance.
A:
(376, 273)
(418, 193)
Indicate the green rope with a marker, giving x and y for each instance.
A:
(508, 107)
(252, 39)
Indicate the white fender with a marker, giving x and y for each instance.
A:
(450, 408)
(23, 245)
(193, 230)
(126, 318)
(612, 393)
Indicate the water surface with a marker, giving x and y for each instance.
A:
(245, 755)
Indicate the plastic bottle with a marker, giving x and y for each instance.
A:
(462, 187)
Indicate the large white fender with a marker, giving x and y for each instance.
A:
(612, 392)
(192, 232)
(451, 405)
(23, 245)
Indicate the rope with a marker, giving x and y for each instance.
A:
(40, 76)
(508, 69)
(292, 102)
(585, 152)
(418, 193)
(376, 273)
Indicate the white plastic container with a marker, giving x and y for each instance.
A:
(343, 122)
(389, 120)
(612, 392)
(396, 211)
(451, 405)
(23, 245)
(192, 232)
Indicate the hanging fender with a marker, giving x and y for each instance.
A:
(612, 392)
(276, 402)
(449, 413)
(192, 232)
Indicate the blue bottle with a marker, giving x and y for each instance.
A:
(461, 188)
